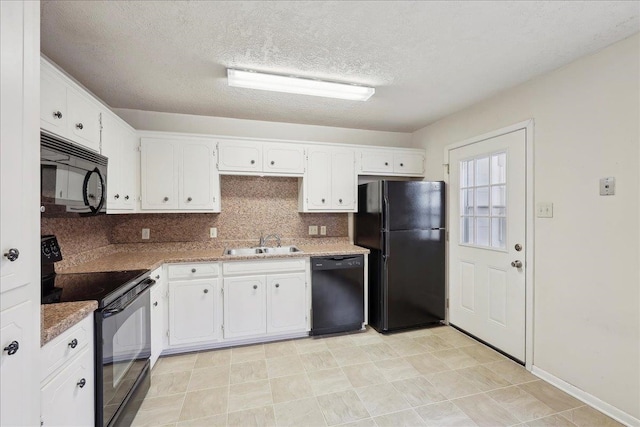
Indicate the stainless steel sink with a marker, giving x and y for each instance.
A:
(261, 250)
(281, 250)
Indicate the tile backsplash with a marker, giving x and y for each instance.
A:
(250, 206)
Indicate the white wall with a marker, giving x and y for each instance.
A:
(170, 122)
(587, 284)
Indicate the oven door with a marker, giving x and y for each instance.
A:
(122, 356)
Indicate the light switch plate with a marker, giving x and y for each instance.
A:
(145, 233)
(323, 230)
(313, 230)
(607, 186)
(544, 210)
(213, 232)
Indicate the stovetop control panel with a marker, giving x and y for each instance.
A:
(50, 249)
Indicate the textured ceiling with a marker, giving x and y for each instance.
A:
(426, 59)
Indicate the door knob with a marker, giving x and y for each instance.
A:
(12, 254)
(516, 264)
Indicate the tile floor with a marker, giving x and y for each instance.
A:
(429, 377)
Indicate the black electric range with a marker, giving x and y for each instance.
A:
(122, 331)
(104, 287)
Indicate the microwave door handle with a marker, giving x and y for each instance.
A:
(85, 188)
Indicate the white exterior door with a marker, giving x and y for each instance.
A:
(487, 251)
(286, 303)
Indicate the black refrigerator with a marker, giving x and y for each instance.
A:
(403, 224)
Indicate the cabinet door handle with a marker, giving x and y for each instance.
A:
(126, 197)
(189, 199)
(277, 285)
(255, 286)
(206, 291)
(401, 164)
(166, 199)
(12, 348)
(12, 254)
(157, 277)
(193, 270)
(155, 304)
(322, 200)
(82, 383)
(79, 126)
(339, 200)
(73, 343)
(117, 196)
(57, 114)
(272, 162)
(253, 162)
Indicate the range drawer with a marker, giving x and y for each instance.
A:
(193, 270)
(66, 346)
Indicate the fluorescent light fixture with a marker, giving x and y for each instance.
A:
(289, 84)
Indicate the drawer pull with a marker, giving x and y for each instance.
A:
(12, 348)
(117, 196)
(82, 383)
(155, 304)
(73, 343)
(255, 286)
(57, 115)
(253, 162)
(157, 277)
(206, 291)
(189, 199)
(386, 163)
(401, 164)
(277, 285)
(79, 126)
(272, 162)
(126, 197)
(193, 270)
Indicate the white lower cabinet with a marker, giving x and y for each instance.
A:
(244, 306)
(67, 393)
(158, 306)
(192, 311)
(272, 303)
(286, 303)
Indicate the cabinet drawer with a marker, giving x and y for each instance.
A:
(263, 266)
(67, 399)
(66, 346)
(189, 271)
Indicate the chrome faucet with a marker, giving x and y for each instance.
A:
(263, 240)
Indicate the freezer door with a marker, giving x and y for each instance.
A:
(413, 205)
(368, 219)
(415, 289)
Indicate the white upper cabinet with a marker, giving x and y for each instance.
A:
(283, 158)
(120, 145)
(241, 157)
(179, 175)
(392, 162)
(329, 183)
(67, 110)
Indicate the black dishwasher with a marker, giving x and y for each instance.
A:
(337, 297)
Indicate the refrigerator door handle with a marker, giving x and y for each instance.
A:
(386, 249)
(385, 220)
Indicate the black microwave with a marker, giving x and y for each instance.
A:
(73, 180)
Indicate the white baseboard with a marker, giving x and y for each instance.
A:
(230, 343)
(587, 398)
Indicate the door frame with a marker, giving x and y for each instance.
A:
(528, 126)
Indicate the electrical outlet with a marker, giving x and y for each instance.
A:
(544, 210)
(608, 186)
(313, 230)
(145, 233)
(323, 230)
(213, 232)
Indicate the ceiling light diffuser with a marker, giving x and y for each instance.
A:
(288, 84)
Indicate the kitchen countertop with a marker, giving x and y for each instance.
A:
(137, 260)
(57, 318)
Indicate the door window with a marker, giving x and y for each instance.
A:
(483, 201)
